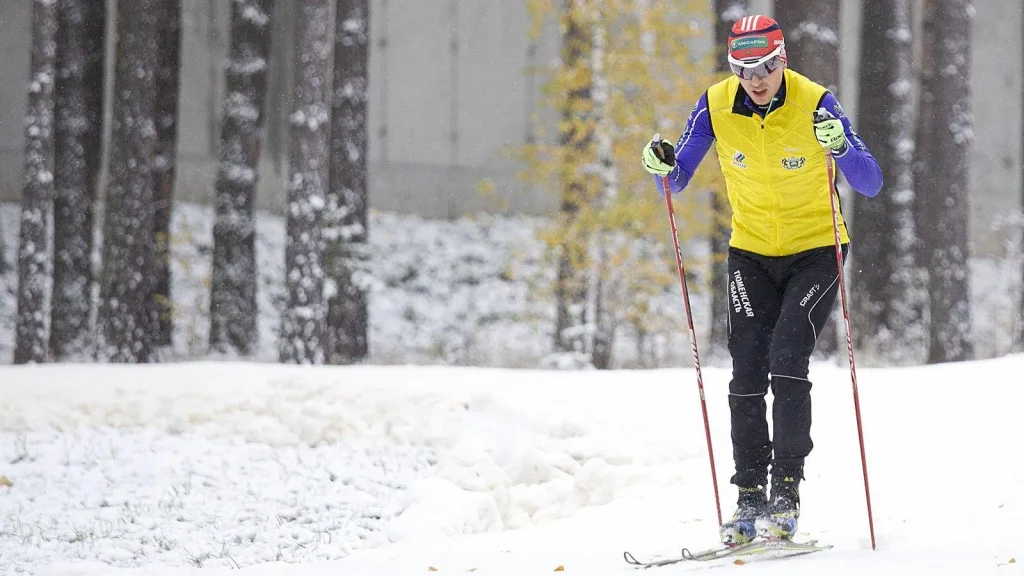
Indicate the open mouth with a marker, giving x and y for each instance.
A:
(760, 93)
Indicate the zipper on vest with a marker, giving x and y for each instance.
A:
(768, 181)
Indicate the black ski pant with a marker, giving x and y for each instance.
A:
(778, 307)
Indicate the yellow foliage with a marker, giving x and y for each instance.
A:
(651, 80)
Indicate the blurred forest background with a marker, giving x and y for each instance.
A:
(458, 182)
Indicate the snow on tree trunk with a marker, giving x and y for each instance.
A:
(302, 326)
(346, 226)
(887, 299)
(943, 143)
(576, 138)
(127, 313)
(601, 314)
(812, 29)
(165, 158)
(78, 141)
(727, 13)
(32, 339)
(233, 308)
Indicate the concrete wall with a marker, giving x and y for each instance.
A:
(449, 92)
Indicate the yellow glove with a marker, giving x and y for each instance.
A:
(659, 156)
(829, 131)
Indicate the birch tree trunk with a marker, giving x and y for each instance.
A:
(576, 138)
(233, 308)
(887, 298)
(943, 140)
(812, 29)
(602, 312)
(78, 142)
(127, 313)
(165, 158)
(302, 327)
(346, 227)
(31, 336)
(727, 13)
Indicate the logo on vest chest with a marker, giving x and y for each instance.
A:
(793, 162)
(738, 159)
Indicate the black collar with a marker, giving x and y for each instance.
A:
(744, 106)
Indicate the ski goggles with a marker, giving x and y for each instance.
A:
(761, 67)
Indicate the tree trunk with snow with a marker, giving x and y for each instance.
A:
(127, 313)
(812, 29)
(302, 326)
(78, 142)
(943, 140)
(346, 226)
(233, 309)
(727, 13)
(602, 312)
(165, 158)
(887, 297)
(31, 337)
(576, 139)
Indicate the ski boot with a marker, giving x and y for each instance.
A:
(740, 528)
(779, 519)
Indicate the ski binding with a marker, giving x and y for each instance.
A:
(756, 546)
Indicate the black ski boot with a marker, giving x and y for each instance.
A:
(750, 505)
(779, 519)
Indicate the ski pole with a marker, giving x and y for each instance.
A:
(692, 332)
(849, 337)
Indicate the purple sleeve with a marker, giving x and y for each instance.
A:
(693, 144)
(858, 165)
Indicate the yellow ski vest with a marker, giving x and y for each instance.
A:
(774, 169)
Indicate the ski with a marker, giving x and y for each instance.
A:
(787, 548)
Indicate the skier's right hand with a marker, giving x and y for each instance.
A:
(659, 156)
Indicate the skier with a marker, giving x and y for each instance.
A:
(771, 127)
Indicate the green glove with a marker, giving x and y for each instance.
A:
(659, 156)
(829, 131)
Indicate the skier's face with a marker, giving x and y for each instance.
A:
(762, 90)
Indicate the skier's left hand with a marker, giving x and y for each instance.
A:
(829, 131)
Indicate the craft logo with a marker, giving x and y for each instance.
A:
(807, 298)
(749, 42)
(738, 159)
(793, 162)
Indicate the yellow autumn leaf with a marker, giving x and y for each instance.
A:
(560, 569)
(5, 481)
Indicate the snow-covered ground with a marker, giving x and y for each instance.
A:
(159, 470)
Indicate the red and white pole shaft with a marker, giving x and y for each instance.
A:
(849, 336)
(692, 333)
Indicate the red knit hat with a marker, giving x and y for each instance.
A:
(754, 39)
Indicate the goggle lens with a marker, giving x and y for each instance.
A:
(760, 70)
